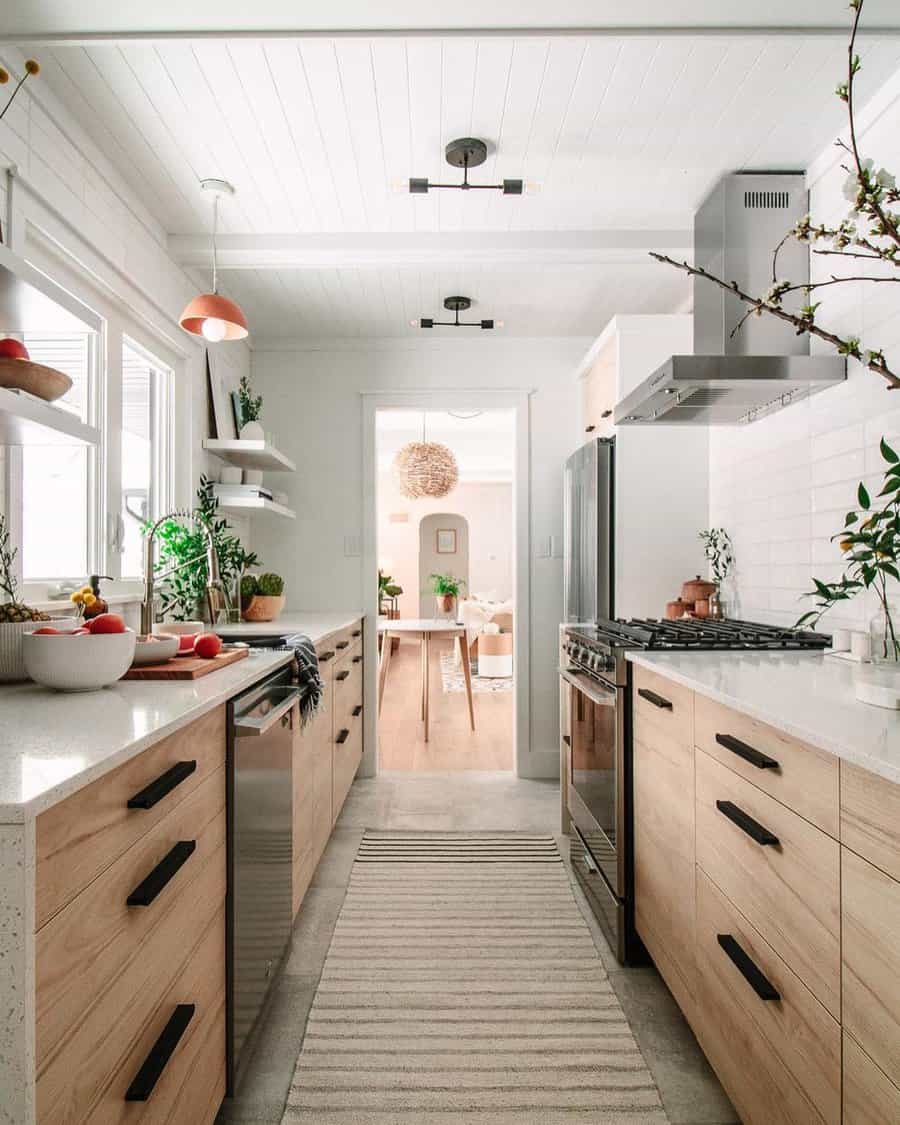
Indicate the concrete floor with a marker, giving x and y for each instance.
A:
(453, 801)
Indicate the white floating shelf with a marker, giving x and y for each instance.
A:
(250, 454)
(26, 420)
(238, 506)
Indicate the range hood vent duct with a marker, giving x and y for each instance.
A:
(735, 377)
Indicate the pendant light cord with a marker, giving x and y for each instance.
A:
(215, 278)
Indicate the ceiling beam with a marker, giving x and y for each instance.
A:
(322, 251)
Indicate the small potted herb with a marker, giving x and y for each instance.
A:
(251, 405)
(446, 588)
(262, 597)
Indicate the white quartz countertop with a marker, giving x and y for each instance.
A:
(315, 625)
(53, 743)
(807, 695)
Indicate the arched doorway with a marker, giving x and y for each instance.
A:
(443, 549)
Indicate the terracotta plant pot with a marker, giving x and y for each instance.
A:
(262, 608)
(696, 589)
(444, 602)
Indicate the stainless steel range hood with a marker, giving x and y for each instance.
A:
(735, 377)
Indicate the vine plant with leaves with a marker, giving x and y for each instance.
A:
(869, 233)
(870, 541)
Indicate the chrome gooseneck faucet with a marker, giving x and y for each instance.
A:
(213, 581)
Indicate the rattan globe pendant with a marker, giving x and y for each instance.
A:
(425, 468)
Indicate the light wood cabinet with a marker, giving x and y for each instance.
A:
(664, 856)
(870, 909)
(131, 871)
(800, 776)
(792, 926)
(870, 1097)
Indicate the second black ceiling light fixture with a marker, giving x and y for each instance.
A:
(465, 153)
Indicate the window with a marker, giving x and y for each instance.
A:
(57, 481)
(146, 453)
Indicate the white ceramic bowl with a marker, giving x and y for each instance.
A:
(147, 650)
(84, 663)
(179, 628)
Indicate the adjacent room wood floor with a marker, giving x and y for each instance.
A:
(451, 745)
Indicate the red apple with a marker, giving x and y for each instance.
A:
(106, 623)
(208, 645)
(47, 631)
(12, 349)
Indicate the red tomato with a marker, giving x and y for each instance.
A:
(46, 631)
(80, 633)
(207, 645)
(13, 349)
(106, 623)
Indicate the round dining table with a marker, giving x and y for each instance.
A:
(422, 629)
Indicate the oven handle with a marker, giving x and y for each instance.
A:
(253, 728)
(589, 862)
(592, 689)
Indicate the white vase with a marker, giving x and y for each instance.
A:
(252, 431)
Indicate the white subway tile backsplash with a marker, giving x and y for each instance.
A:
(849, 466)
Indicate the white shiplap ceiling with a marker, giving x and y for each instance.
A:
(622, 134)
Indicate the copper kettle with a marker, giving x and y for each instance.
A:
(697, 589)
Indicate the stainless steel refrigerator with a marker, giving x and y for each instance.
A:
(588, 532)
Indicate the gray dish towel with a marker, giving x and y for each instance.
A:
(309, 678)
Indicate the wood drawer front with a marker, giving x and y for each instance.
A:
(790, 892)
(82, 835)
(870, 1097)
(348, 692)
(870, 817)
(664, 872)
(779, 1060)
(111, 1038)
(805, 779)
(871, 955)
(347, 756)
(84, 948)
(676, 719)
(192, 1086)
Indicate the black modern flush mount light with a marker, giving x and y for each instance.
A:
(456, 305)
(465, 153)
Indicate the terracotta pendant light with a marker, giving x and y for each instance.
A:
(425, 468)
(211, 315)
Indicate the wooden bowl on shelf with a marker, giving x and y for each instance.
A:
(34, 378)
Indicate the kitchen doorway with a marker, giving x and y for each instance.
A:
(451, 596)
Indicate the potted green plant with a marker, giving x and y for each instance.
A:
(251, 405)
(262, 597)
(720, 556)
(870, 541)
(387, 591)
(446, 588)
(16, 618)
(183, 594)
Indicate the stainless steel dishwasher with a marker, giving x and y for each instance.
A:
(261, 725)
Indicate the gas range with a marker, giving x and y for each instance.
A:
(600, 649)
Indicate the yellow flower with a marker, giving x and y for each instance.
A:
(846, 545)
(32, 66)
(4, 76)
(77, 597)
(86, 590)
(89, 599)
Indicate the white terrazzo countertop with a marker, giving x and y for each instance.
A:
(807, 695)
(53, 743)
(315, 625)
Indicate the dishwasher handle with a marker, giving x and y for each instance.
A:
(253, 727)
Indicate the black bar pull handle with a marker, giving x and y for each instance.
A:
(357, 711)
(657, 700)
(356, 660)
(342, 675)
(747, 824)
(356, 633)
(323, 656)
(342, 737)
(342, 644)
(164, 872)
(153, 793)
(748, 968)
(754, 757)
(162, 1050)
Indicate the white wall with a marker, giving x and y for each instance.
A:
(781, 486)
(313, 402)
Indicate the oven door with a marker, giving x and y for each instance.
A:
(596, 772)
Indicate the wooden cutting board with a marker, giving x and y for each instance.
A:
(185, 667)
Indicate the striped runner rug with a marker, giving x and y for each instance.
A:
(462, 985)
